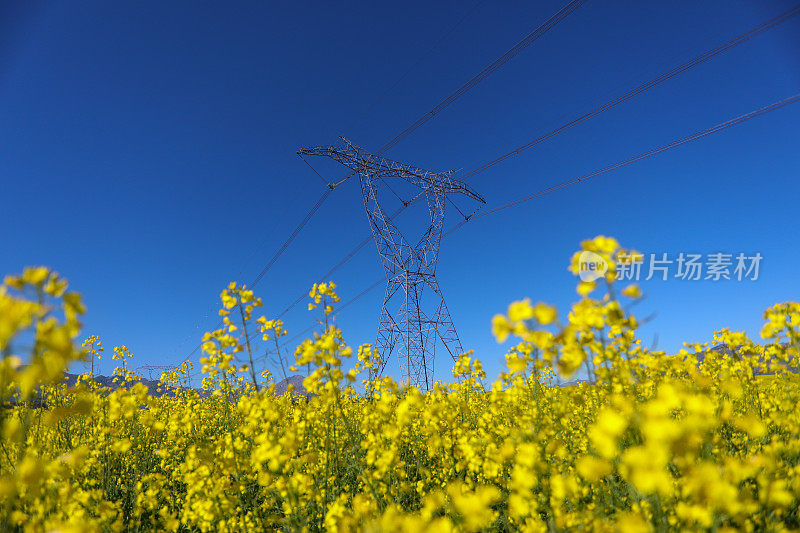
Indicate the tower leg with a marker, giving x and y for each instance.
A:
(445, 329)
(388, 331)
(418, 357)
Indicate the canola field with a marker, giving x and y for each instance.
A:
(699, 440)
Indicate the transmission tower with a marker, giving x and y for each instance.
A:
(160, 369)
(405, 322)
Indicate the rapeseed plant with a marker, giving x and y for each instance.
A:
(699, 440)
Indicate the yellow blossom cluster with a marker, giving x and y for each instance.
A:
(702, 440)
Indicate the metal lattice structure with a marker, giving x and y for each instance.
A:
(158, 369)
(405, 322)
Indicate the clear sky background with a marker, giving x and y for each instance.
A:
(147, 152)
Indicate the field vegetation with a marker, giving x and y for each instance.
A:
(698, 440)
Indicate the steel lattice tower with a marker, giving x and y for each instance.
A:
(413, 328)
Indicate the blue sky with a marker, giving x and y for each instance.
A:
(147, 152)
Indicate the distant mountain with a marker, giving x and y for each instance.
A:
(729, 351)
(283, 385)
(574, 383)
(152, 386)
(108, 381)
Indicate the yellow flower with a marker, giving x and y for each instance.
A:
(121, 446)
(515, 363)
(586, 287)
(520, 310)
(501, 329)
(593, 468)
(632, 291)
(544, 314)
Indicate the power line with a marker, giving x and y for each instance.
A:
(275, 256)
(263, 241)
(527, 40)
(338, 265)
(415, 65)
(702, 58)
(497, 63)
(294, 234)
(674, 144)
(738, 120)
(472, 82)
(314, 170)
(341, 308)
(565, 11)
(480, 76)
(508, 55)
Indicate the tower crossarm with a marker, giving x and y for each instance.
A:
(376, 166)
